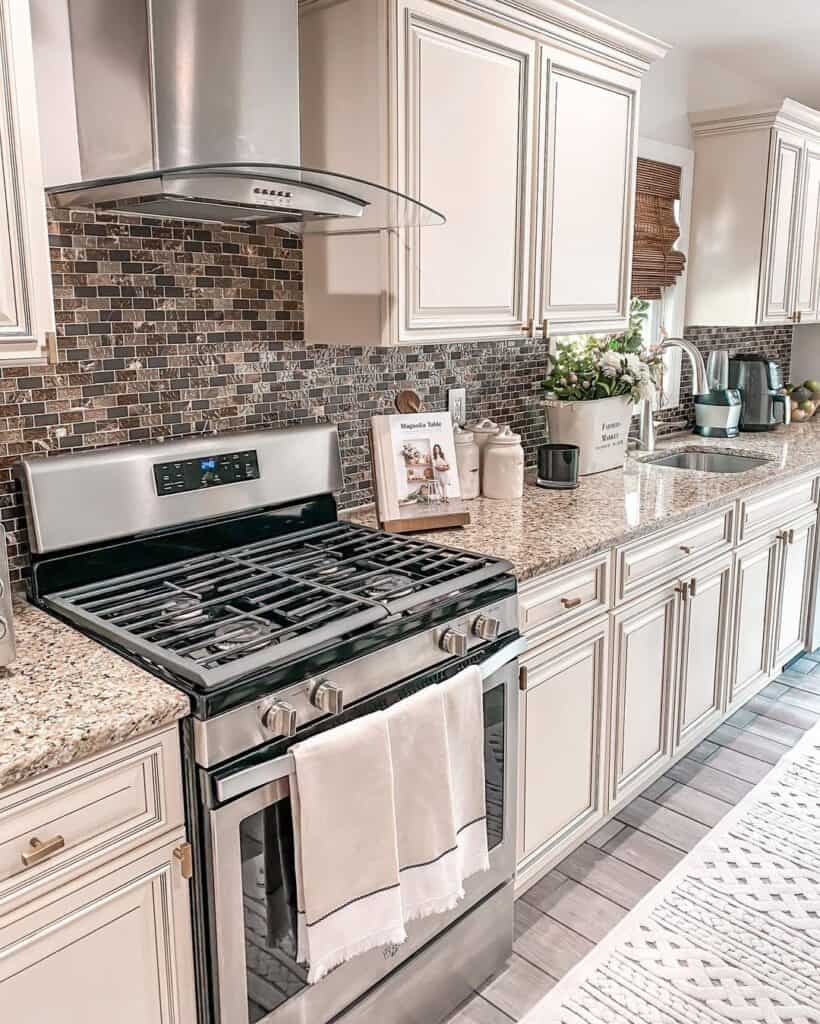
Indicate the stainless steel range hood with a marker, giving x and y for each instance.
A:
(189, 109)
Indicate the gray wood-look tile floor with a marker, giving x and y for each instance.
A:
(563, 915)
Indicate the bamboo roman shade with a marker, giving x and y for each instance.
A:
(655, 263)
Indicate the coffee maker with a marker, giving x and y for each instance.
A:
(758, 379)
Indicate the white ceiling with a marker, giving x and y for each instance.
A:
(773, 43)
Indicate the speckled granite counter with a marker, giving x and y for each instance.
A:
(547, 528)
(66, 697)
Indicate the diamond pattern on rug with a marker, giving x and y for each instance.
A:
(731, 935)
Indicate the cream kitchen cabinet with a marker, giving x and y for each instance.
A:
(755, 588)
(587, 209)
(562, 736)
(644, 642)
(793, 596)
(496, 116)
(95, 917)
(807, 288)
(772, 604)
(26, 305)
(697, 618)
(754, 254)
(115, 946)
(702, 653)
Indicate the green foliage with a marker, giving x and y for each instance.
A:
(592, 367)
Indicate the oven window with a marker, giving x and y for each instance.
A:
(269, 904)
(494, 763)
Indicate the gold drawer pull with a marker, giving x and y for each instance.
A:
(570, 602)
(686, 549)
(39, 850)
(523, 677)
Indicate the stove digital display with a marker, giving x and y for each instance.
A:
(200, 474)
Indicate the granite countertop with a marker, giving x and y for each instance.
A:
(67, 696)
(546, 528)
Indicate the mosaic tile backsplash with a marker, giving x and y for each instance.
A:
(170, 329)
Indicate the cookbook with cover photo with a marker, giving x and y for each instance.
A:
(414, 458)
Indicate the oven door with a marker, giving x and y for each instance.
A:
(251, 865)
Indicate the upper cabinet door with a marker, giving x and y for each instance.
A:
(465, 118)
(780, 233)
(26, 310)
(588, 157)
(807, 299)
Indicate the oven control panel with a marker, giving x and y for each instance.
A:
(211, 471)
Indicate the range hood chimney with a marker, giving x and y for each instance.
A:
(189, 109)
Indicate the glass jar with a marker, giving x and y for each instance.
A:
(467, 458)
(503, 466)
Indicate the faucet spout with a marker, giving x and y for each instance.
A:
(700, 382)
(700, 386)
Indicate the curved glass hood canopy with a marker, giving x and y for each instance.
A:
(297, 199)
(190, 109)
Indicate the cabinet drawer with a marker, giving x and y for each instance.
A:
(771, 509)
(553, 603)
(89, 811)
(654, 560)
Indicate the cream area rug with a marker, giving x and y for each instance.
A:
(731, 934)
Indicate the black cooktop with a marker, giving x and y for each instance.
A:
(227, 621)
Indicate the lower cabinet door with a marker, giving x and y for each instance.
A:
(793, 591)
(702, 650)
(563, 732)
(755, 583)
(643, 660)
(115, 948)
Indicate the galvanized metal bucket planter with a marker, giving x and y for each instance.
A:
(599, 428)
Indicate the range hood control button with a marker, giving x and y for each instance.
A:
(485, 627)
(327, 697)
(453, 641)
(280, 719)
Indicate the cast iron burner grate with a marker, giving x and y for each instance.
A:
(217, 618)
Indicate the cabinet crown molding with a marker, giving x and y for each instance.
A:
(789, 115)
(564, 15)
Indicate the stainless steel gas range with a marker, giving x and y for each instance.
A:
(220, 565)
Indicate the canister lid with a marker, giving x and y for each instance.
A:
(463, 435)
(483, 426)
(506, 436)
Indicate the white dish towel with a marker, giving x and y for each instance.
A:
(463, 696)
(389, 820)
(344, 825)
(429, 866)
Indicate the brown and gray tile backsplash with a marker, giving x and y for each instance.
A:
(167, 329)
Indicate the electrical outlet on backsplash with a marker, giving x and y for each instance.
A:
(169, 329)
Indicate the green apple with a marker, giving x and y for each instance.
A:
(812, 385)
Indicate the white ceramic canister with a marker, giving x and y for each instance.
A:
(467, 457)
(503, 469)
(482, 431)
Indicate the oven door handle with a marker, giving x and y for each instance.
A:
(281, 767)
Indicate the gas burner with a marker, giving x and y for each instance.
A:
(394, 584)
(231, 635)
(325, 566)
(182, 607)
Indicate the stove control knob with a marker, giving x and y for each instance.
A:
(453, 641)
(327, 697)
(280, 719)
(485, 627)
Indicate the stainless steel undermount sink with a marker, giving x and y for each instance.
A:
(709, 462)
